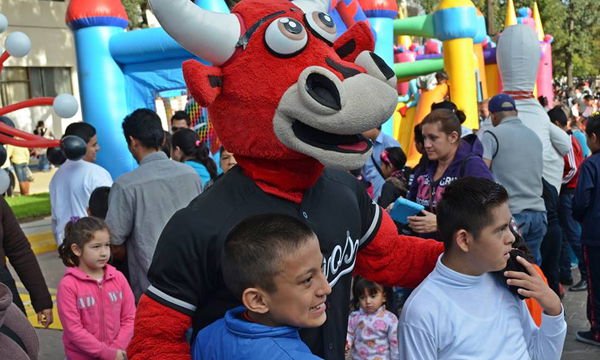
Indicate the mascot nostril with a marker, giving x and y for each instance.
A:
(323, 90)
(73, 147)
(385, 69)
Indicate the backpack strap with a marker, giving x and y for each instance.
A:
(463, 166)
(12, 335)
(497, 142)
(377, 166)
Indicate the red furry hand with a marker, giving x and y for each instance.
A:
(397, 260)
(159, 333)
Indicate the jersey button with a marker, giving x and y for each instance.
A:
(305, 214)
(330, 346)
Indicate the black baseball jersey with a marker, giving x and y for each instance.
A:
(186, 274)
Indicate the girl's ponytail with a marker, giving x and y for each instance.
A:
(201, 156)
(187, 141)
(65, 252)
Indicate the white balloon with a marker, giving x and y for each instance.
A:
(3, 23)
(4, 181)
(65, 106)
(18, 44)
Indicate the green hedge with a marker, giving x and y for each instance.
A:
(30, 206)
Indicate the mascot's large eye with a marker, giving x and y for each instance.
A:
(286, 37)
(322, 26)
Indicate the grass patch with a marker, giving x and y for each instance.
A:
(31, 206)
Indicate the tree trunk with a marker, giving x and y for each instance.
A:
(491, 26)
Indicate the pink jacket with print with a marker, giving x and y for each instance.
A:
(97, 317)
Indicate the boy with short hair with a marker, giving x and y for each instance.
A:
(586, 210)
(464, 310)
(273, 264)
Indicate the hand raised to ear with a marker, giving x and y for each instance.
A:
(533, 286)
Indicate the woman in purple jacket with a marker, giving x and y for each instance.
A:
(450, 158)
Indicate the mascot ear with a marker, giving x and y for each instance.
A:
(204, 82)
(354, 41)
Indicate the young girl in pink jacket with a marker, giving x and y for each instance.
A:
(95, 303)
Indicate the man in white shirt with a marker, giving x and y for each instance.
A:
(464, 308)
(74, 181)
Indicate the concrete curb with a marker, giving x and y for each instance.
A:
(42, 242)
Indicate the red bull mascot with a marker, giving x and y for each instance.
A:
(290, 101)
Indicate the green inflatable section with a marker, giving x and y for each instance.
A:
(418, 68)
(415, 26)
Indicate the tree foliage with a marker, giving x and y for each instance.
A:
(135, 12)
(576, 46)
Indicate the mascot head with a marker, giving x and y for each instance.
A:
(281, 86)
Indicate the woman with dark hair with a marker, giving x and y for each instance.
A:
(462, 117)
(450, 158)
(393, 160)
(188, 149)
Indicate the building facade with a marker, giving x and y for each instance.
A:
(49, 69)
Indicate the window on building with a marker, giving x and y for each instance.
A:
(20, 84)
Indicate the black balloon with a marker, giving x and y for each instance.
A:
(55, 156)
(2, 154)
(73, 147)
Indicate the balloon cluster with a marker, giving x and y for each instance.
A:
(18, 45)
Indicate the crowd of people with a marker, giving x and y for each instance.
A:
(477, 192)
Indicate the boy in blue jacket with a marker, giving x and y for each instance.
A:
(586, 210)
(273, 264)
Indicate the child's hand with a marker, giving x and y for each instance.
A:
(347, 349)
(121, 355)
(533, 286)
(423, 224)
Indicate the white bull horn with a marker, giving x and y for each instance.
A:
(210, 36)
(309, 6)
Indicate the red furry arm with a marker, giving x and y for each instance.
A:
(397, 260)
(159, 333)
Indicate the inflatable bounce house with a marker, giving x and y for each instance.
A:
(121, 71)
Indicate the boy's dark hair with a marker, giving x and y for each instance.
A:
(362, 285)
(182, 115)
(82, 130)
(99, 202)
(543, 100)
(254, 250)
(557, 115)
(145, 126)
(419, 139)
(79, 232)
(593, 126)
(588, 97)
(441, 75)
(467, 204)
(396, 157)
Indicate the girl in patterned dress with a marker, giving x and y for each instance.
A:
(372, 330)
